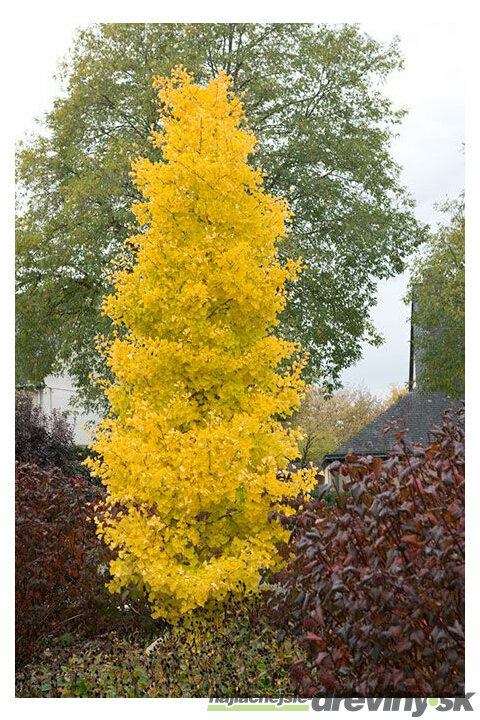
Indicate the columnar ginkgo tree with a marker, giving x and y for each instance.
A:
(191, 450)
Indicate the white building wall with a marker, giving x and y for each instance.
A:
(57, 395)
(331, 479)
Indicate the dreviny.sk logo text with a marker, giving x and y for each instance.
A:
(416, 706)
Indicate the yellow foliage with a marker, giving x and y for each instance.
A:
(396, 392)
(194, 439)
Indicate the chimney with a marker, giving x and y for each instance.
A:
(416, 352)
(411, 372)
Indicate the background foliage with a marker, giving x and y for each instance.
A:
(326, 422)
(438, 289)
(315, 102)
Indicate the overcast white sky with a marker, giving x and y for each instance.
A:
(429, 148)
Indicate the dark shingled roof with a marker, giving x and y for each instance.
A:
(421, 411)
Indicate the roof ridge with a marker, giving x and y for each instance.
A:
(421, 410)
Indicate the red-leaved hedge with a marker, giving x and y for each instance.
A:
(58, 558)
(375, 590)
(41, 438)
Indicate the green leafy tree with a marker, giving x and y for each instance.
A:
(438, 291)
(315, 102)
